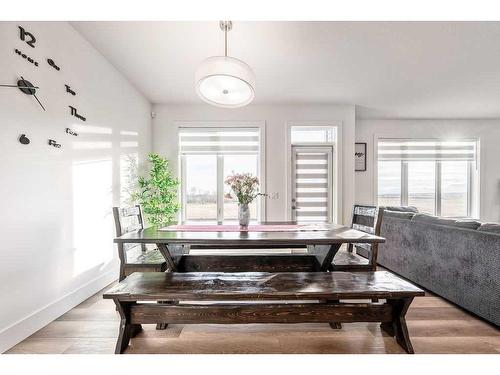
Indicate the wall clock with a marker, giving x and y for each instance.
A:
(27, 88)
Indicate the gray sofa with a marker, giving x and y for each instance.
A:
(458, 260)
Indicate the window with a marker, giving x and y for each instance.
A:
(437, 177)
(208, 156)
(422, 185)
(312, 134)
(389, 183)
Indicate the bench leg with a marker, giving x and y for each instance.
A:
(397, 328)
(126, 330)
(162, 326)
(334, 325)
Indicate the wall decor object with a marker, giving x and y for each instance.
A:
(24, 140)
(26, 87)
(30, 88)
(71, 132)
(74, 112)
(27, 37)
(54, 143)
(360, 157)
(25, 56)
(53, 64)
(69, 90)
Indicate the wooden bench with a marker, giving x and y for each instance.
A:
(274, 291)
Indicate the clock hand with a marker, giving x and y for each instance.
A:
(39, 102)
(20, 87)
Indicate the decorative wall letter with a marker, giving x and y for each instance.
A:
(53, 64)
(74, 112)
(27, 37)
(71, 132)
(69, 90)
(24, 140)
(54, 143)
(26, 57)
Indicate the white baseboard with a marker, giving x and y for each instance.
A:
(25, 327)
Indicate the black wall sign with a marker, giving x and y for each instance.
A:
(53, 64)
(54, 143)
(69, 90)
(24, 140)
(27, 37)
(26, 57)
(74, 112)
(71, 132)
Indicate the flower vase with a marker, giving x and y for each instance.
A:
(243, 215)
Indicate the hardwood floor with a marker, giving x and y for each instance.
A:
(435, 326)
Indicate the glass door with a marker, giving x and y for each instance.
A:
(312, 183)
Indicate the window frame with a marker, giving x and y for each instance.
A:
(473, 190)
(261, 164)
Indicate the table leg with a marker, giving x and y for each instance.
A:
(324, 254)
(172, 254)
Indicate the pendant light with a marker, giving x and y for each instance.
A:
(225, 81)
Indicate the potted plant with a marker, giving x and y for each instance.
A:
(245, 187)
(157, 193)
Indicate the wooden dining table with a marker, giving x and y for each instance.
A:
(320, 244)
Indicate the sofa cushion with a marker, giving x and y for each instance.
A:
(490, 227)
(467, 224)
(402, 208)
(426, 218)
(399, 214)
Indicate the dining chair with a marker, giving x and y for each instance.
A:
(135, 257)
(361, 256)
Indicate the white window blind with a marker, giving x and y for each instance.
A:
(219, 141)
(420, 150)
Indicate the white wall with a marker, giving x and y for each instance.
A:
(276, 118)
(56, 223)
(487, 131)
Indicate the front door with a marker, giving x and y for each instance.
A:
(312, 183)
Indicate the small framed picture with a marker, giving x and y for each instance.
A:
(360, 157)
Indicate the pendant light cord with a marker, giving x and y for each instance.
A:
(225, 41)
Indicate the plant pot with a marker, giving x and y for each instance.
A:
(243, 215)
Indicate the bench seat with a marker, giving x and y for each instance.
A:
(260, 297)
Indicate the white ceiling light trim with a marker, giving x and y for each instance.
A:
(225, 81)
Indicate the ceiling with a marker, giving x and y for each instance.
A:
(387, 69)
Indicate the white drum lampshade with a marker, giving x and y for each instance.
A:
(224, 81)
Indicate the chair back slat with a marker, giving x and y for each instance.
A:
(127, 219)
(363, 228)
(130, 211)
(367, 219)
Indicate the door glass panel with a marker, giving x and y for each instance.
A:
(389, 183)
(201, 187)
(238, 164)
(422, 185)
(454, 188)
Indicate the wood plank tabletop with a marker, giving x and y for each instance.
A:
(203, 286)
(334, 234)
